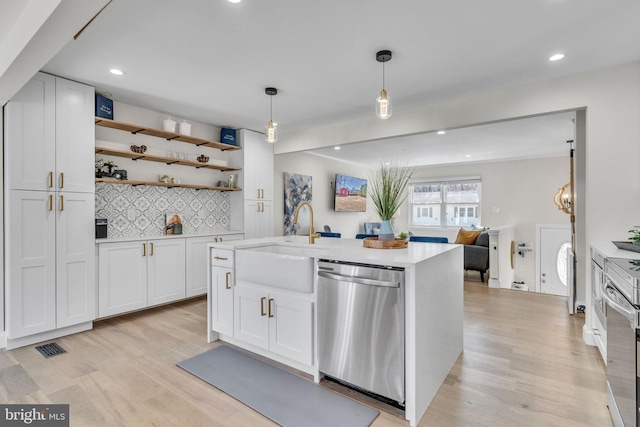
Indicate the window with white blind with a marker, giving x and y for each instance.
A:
(445, 203)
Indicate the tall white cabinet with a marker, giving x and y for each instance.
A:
(256, 180)
(49, 222)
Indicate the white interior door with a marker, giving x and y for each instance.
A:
(555, 245)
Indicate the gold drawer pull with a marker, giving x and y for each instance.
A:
(61, 179)
(220, 258)
(262, 313)
(144, 249)
(50, 179)
(50, 202)
(227, 277)
(61, 202)
(151, 253)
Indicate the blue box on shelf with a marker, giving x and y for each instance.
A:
(104, 107)
(228, 136)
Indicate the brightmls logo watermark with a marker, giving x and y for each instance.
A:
(34, 415)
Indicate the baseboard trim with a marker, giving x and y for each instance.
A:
(3, 340)
(49, 335)
(587, 335)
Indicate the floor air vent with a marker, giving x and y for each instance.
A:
(50, 350)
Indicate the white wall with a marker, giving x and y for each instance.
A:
(611, 188)
(323, 171)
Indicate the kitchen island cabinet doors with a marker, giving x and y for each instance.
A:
(274, 321)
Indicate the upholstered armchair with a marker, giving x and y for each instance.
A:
(476, 254)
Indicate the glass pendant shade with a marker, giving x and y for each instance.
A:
(383, 105)
(271, 132)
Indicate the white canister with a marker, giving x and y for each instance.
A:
(184, 128)
(169, 125)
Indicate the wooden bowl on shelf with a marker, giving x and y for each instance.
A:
(203, 159)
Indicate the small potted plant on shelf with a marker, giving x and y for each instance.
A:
(388, 191)
(403, 235)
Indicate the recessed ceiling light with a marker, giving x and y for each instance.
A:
(556, 57)
(468, 156)
(116, 71)
(441, 132)
(336, 148)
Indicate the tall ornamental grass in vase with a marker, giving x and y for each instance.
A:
(388, 191)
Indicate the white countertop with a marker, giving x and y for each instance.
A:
(609, 250)
(350, 250)
(163, 236)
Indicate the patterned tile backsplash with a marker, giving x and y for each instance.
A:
(140, 211)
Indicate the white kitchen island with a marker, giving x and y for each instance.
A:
(433, 305)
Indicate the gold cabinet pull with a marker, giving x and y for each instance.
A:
(50, 179)
(220, 258)
(151, 253)
(144, 249)
(61, 202)
(50, 202)
(262, 313)
(262, 193)
(269, 304)
(258, 190)
(220, 239)
(61, 179)
(227, 277)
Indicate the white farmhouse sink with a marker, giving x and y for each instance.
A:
(277, 265)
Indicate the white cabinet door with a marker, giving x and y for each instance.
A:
(197, 263)
(166, 270)
(290, 327)
(250, 316)
(30, 125)
(222, 284)
(75, 258)
(30, 285)
(258, 166)
(75, 136)
(122, 277)
(258, 221)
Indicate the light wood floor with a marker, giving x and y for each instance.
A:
(524, 364)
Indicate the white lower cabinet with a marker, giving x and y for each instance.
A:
(135, 275)
(165, 271)
(197, 261)
(279, 323)
(222, 284)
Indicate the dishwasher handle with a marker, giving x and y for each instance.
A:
(359, 280)
(617, 301)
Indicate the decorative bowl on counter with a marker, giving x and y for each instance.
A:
(138, 148)
(202, 158)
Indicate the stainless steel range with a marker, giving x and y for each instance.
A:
(621, 292)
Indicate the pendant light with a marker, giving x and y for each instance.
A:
(383, 103)
(271, 131)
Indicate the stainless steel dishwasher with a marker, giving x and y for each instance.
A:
(361, 326)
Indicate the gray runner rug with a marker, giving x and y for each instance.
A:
(281, 396)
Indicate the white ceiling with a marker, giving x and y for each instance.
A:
(210, 60)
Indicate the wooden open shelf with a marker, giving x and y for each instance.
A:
(163, 184)
(135, 129)
(161, 159)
